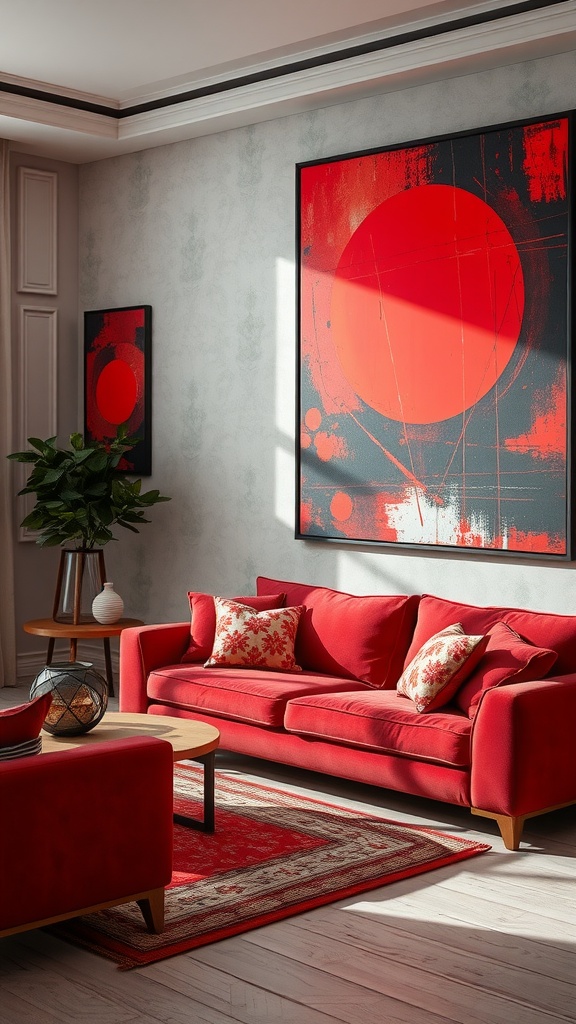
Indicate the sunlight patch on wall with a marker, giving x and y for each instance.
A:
(284, 489)
(371, 573)
(285, 383)
(285, 346)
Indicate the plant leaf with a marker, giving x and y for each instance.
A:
(23, 456)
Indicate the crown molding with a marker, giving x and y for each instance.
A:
(19, 85)
(334, 44)
(271, 89)
(30, 110)
(469, 48)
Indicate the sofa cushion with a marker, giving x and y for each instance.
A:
(203, 622)
(257, 696)
(507, 659)
(440, 667)
(543, 629)
(247, 638)
(381, 720)
(363, 638)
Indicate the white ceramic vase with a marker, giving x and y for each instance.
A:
(107, 606)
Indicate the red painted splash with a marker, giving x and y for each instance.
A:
(305, 516)
(536, 542)
(310, 515)
(335, 199)
(329, 446)
(547, 436)
(341, 506)
(121, 327)
(313, 419)
(546, 160)
(323, 369)
(370, 517)
(386, 504)
(466, 538)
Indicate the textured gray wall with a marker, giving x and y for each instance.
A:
(204, 231)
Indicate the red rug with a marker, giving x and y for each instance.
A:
(274, 854)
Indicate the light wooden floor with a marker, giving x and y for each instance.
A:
(488, 941)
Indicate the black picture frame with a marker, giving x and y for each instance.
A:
(490, 476)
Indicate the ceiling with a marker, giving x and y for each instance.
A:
(82, 81)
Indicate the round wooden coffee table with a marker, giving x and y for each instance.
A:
(190, 740)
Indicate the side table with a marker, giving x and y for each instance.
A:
(81, 631)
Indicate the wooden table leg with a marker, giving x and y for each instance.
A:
(50, 650)
(108, 660)
(208, 761)
(73, 649)
(206, 824)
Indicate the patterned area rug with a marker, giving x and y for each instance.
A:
(274, 854)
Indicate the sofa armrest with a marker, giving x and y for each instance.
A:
(142, 649)
(523, 747)
(84, 826)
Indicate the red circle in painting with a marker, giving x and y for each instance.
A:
(341, 506)
(427, 304)
(313, 419)
(116, 391)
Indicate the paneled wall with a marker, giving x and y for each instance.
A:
(44, 228)
(204, 231)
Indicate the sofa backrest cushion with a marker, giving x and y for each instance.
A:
(507, 659)
(203, 622)
(543, 629)
(341, 634)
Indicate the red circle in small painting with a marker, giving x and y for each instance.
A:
(116, 391)
(427, 303)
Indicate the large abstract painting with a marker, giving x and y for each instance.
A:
(117, 382)
(434, 343)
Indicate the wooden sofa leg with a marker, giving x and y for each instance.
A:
(510, 830)
(152, 907)
(509, 825)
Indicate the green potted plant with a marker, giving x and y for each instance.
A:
(80, 495)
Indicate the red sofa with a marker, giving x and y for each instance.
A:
(84, 829)
(503, 746)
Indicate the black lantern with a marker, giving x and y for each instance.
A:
(79, 697)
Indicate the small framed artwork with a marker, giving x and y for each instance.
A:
(434, 377)
(117, 380)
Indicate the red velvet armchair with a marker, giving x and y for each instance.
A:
(85, 829)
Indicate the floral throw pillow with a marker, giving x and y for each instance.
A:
(203, 622)
(251, 639)
(440, 667)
